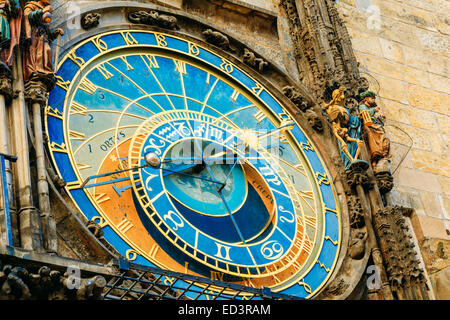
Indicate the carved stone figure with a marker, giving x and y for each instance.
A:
(296, 98)
(12, 285)
(250, 59)
(38, 36)
(373, 125)
(358, 246)
(10, 23)
(18, 284)
(218, 39)
(90, 20)
(154, 18)
(95, 228)
(314, 120)
(344, 127)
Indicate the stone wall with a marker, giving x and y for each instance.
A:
(404, 50)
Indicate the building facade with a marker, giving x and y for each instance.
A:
(330, 115)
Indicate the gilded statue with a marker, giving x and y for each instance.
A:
(38, 36)
(10, 23)
(373, 126)
(345, 126)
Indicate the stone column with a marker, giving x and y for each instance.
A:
(358, 179)
(29, 222)
(36, 95)
(5, 95)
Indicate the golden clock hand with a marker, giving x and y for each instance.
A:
(288, 126)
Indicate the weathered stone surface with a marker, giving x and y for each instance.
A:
(428, 227)
(436, 254)
(391, 50)
(430, 162)
(418, 180)
(441, 284)
(392, 89)
(422, 118)
(365, 43)
(395, 70)
(431, 204)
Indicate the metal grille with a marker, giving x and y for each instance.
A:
(137, 282)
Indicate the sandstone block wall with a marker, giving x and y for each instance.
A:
(404, 49)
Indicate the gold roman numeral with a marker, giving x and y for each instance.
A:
(150, 61)
(129, 66)
(311, 221)
(61, 83)
(234, 95)
(215, 275)
(180, 66)
(77, 60)
(76, 108)
(87, 86)
(153, 251)
(129, 39)
(105, 72)
(259, 116)
(53, 112)
(83, 166)
(100, 44)
(125, 225)
(101, 197)
(160, 40)
(307, 247)
(77, 136)
(62, 148)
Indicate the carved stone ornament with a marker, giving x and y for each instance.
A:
(90, 20)
(95, 229)
(402, 265)
(314, 120)
(357, 174)
(36, 92)
(356, 212)
(338, 287)
(6, 88)
(250, 59)
(154, 18)
(218, 39)
(17, 283)
(322, 47)
(385, 181)
(357, 245)
(296, 97)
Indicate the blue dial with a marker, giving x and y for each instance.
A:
(236, 190)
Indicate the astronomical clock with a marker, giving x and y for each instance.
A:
(189, 163)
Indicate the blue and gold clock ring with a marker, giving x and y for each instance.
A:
(111, 83)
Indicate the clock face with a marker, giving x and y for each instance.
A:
(190, 164)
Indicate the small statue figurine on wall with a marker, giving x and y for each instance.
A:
(250, 59)
(345, 127)
(10, 22)
(38, 36)
(373, 126)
